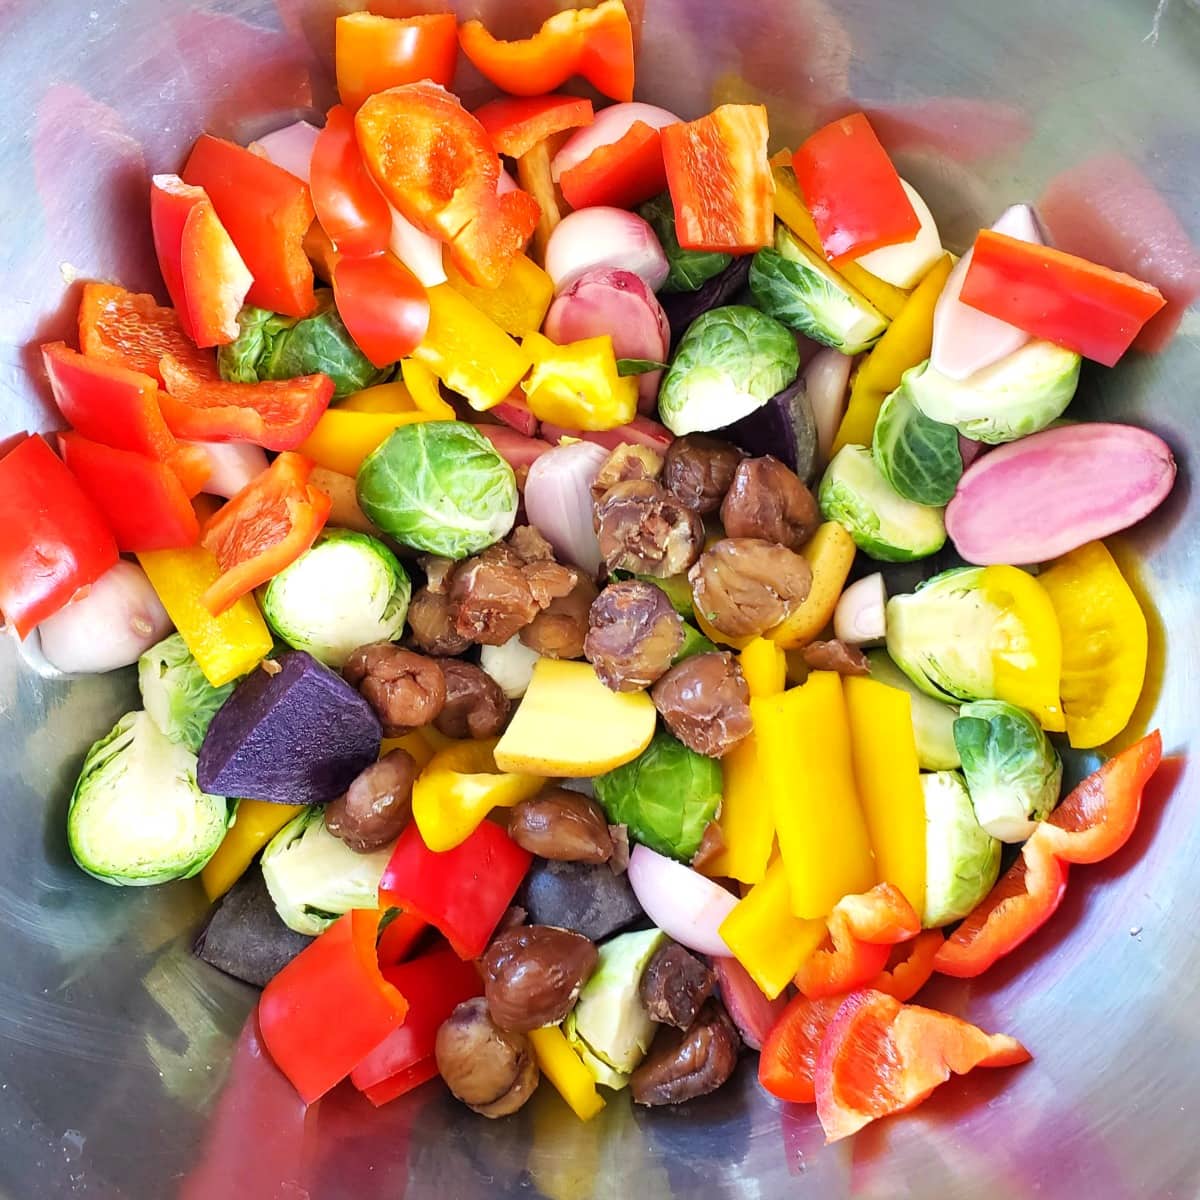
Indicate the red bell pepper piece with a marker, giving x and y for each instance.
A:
(374, 53)
(1023, 900)
(383, 305)
(351, 209)
(641, 431)
(398, 937)
(910, 966)
(267, 212)
(596, 43)
(435, 164)
(879, 1057)
(853, 191)
(1057, 296)
(461, 892)
(620, 175)
(142, 500)
(329, 1007)
(720, 180)
(789, 1055)
(434, 986)
(263, 529)
(516, 125)
(277, 414)
(53, 539)
(883, 915)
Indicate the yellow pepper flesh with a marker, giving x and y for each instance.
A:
(422, 385)
(256, 823)
(519, 304)
(830, 553)
(715, 635)
(578, 385)
(382, 398)
(343, 438)
(415, 743)
(764, 666)
(564, 1068)
(535, 177)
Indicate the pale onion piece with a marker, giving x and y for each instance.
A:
(231, 466)
(825, 381)
(510, 665)
(604, 237)
(506, 183)
(290, 147)
(681, 902)
(860, 617)
(419, 252)
(558, 501)
(904, 264)
(610, 125)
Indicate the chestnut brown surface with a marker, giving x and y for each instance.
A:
(634, 635)
(767, 500)
(476, 706)
(641, 528)
(705, 702)
(491, 599)
(532, 975)
(627, 463)
(745, 586)
(685, 1064)
(699, 471)
(835, 656)
(431, 624)
(376, 807)
(674, 986)
(406, 689)
(559, 630)
(491, 1070)
(561, 825)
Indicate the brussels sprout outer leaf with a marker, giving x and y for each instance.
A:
(962, 860)
(919, 457)
(176, 694)
(690, 270)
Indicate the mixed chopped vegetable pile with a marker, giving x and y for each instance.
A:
(522, 670)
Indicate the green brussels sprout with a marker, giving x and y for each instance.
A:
(730, 362)
(677, 588)
(883, 523)
(962, 860)
(439, 487)
(933, 721)
(1013, 772)
(689, 270)
(694, 642)
(1017, 396)
(348, 590)
(797, 287)
(919, 457)
(314, 877)
(666, 796)
(137, 815)
(175, 693)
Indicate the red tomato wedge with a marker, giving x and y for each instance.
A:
(1059, 297)
(720, 180)
(351, 209)
(789, 1055)
(620, 175)
(384, 307)
(374, 53)
(517, 124)
(853, 191)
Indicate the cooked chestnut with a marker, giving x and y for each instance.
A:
(625, 463)
(476, 706)
(674, 986)
(528, 542)
(491, 1070)
(532, 975)
(549, 581)
(563, 826)
(634, 635)
(745, 586)
(406, 690)
(835, 656)
(431, 624)
(685, 1064)
(712, 846)
(558, 631)
(376, 807)
(438, 572)
(643, 529)
(705, 702)
(767, 500)
(699, 470)
(490, 598)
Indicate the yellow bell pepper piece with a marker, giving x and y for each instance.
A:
(764, 666)
(415, 743)
(459, 787)
(342, 439)
(256, 823)
(803, 739)
(1105, 643)
(422, 385)
(382, 398)
(765, 937)
(564, 1068)
(888, 775)
(520, 303)
(906, 343)
(535, 177)
(468, 351)
(224, 647)
(578, 385)
(830, 553)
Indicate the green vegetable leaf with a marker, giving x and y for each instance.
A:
(638, 366)
(689, 270)
(962, 860)
(919, 457)
(177, 696)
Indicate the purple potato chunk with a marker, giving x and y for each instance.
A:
(682, 308)
(784, 427)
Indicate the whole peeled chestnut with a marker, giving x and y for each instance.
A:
(685, 1064)
(532, 975)
(634, 635)
(377, 805)
(643, 529)
(705, 702)
(745, 586)
(476, 706)
(406, 689)
(699, 471)
(563, 826)
(767, 500)
(490, 1069)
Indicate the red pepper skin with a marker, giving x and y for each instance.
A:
(53, 539)
(517, 124)
(373, 53)
(910, 966)
(620, 175)
(351, 209)
(383, 305)
(789, 1055)
(461, 892)
(329, 1007)
(398, 937)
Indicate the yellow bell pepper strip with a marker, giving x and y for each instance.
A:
(423, 387)
(519, 305)
(459, 787)
(830, 553)
(468, 351)
(1105, 643)
(578, 386)
(803, 738)
(535, 177)
(906, 343)
(764, 666)
(888, 776)
(256, 823)
(382, 398)
(564, 1068)
(415, 743)
(342, 438)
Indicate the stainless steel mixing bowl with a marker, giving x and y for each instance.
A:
(115, 1044)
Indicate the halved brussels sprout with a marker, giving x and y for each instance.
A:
(962, 860)
(918, 456)
(178, 697)
(933, 720)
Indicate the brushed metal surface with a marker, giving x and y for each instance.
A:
(115, 1044)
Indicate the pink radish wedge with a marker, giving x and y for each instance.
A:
(1036, 499)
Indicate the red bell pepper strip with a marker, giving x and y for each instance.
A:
(266, 526)
(461, 892)
(720, 180)
(434, 986)
(1023, 900)
(789, 1055)
(853, 191)
(620, 175)
(53, 539)
(267, 212)
(596, 43)
(1054, 295)
(398, 937)
(879, 1057)
(374, 53)
(142, 500)
(277, 414)
(882, 916)
(329, 1007)
(516, 125)
(351, 209)
(383, 305)
(435, 164)
(910, 966)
